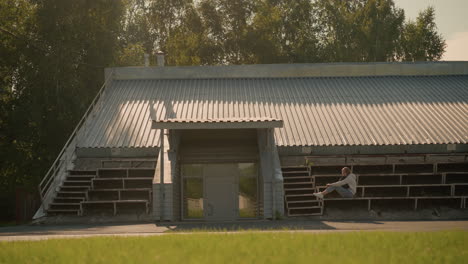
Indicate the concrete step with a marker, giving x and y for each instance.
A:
(68, 199)
(109, 183)
(141, 173)
(292, 192)
(74, 188)
(63, 211)
(119, 194)
(125, 179)
(297, 177)
(305, 214)
(116, 206)
(121, 189)
(300, 195)
(295, 168)
(295, 172)
(116, 201)
(61, 194)
(298, 183)
(76, 183)
(303, 201)
(64, 206)
(305, 211)
(304, 207)
(129, 163)
(82, 172)
(80, 177)
(300, 189)
(112, 173)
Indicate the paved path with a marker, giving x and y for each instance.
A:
(146, 229)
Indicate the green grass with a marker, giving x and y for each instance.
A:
(4, 224)
(247, 247)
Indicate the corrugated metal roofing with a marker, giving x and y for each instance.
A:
(324, 111)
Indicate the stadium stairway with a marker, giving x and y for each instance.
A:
(298, 188)
(107, 191)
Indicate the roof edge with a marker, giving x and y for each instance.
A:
(226, 123)
(291, 70)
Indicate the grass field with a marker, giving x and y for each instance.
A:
(11, 223)
(247, 247)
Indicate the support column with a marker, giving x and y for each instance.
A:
(272, 178)
(162, 182)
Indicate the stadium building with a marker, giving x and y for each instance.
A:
(216, 143)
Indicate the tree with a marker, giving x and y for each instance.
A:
(359, 30)
(420, 40)
(137, 29)
(299, 31)
(16, 139)
(283, 31)
(237, 15)
(187, 40)
(338, 32)
(164, 17)
(379, 26)
(131, 55)
(53, 54)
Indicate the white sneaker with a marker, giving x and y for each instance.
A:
(318, 195)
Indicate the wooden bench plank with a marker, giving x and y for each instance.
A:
(121, 189)
(414, 198)
(124, 179)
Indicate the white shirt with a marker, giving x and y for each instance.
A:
(350, 180)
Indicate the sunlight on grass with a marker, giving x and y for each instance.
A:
(247, 247)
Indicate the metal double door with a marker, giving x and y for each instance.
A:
(220, 192)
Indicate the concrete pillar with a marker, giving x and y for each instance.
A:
(162, 183)
(166, 181)
(272, 178)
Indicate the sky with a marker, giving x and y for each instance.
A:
(451, 20)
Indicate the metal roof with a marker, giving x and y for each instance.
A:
(317, 111)
(217, 123)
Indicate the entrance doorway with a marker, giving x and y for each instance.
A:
(219, 191)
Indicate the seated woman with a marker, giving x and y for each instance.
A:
(346, 187)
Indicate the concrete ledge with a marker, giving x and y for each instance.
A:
(217, 124)
(117, 152)
(291, 70)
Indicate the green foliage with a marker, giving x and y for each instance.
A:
(246, 247)
(193, 188)
(55, 51)
(420, 40)
(17, 141)
(211, 32)
(359, 30)
(131, 55)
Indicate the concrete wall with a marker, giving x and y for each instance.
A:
(271, 176)
(218, 145)
(392, 149)
(373, 157)
(167, 160)
(117, 152)
(291, 70)
(174, 142)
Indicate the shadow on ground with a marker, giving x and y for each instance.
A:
(279, 225)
